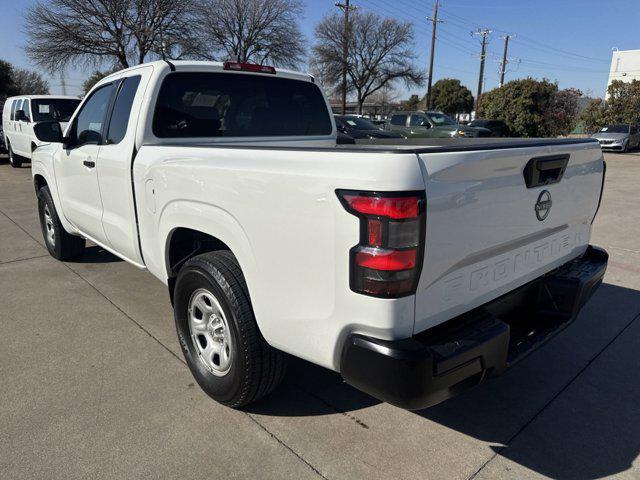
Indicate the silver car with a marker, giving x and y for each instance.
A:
(618, 137)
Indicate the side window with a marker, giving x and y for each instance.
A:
(122, 110)
(18, 107)
(14, 107)
(27, 109)
(400, 120)
(88, 123)
(418, 120)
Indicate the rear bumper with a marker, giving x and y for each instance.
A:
(438, 363)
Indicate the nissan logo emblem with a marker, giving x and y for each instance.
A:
(543, 205)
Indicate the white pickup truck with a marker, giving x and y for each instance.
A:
(414, 271)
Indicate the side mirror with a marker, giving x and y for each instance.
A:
(342, 129)
(49, 132)
(21, 116)
(425, 124)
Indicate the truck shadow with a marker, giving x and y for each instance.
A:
(576, 398)
(96, 254)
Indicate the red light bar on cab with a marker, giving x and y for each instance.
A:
(249, 67)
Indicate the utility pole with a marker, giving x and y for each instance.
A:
(503, 65)
(485, 32)
(435, 22)
(346, 8)
(63, 83)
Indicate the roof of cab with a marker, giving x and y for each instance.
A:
(206, 66)
(40, 97)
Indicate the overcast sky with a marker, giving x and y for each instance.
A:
(565, 40)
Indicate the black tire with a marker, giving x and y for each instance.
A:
(256, 368)
(63, 246)
(14, 160)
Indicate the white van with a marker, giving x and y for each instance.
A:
(21, 113)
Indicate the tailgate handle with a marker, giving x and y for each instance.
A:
(545, 170)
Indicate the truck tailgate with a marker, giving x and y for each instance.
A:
(488, 232)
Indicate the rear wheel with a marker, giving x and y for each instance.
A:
(14, 160)
(60, 244)
(218, 333)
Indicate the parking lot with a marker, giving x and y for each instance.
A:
(94, 384)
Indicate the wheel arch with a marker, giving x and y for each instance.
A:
(39, 181)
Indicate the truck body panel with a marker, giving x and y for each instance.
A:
(483, 235)
(497, 215)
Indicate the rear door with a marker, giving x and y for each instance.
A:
(114, 164)
(75, 167)
(488, 232)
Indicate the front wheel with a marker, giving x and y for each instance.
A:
(60, 244)
(14, 160)
(218, 333)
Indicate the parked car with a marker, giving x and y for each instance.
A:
(21, 113)
(361, 128)
(414, 271)
(431, 125)
(497, 127)
(618, 137)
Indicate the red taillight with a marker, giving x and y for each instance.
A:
(386, 263)
(389, 260)
(392, 207)
(249, 67)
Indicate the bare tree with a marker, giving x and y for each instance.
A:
(114, 32)
(380, 54)
(256, 31)
(30, 82)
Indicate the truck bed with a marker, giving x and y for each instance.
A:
(482, 236)
(409, 145)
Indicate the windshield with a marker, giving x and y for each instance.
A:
(53, 109)
(616, 129)
(441, 119)
(359, 123)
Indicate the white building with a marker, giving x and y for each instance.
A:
(625, 66)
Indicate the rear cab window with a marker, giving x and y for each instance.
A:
(209, 104)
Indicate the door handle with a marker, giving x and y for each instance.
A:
(545, 170)
(89, 163)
